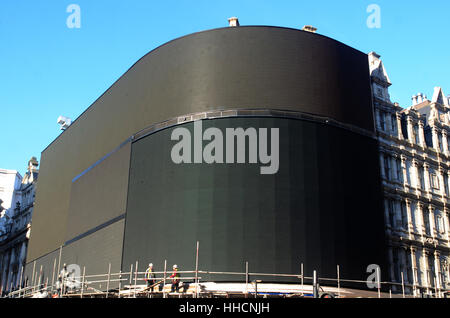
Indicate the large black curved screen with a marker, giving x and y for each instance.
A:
(322, 207)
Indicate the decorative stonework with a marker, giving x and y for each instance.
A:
(419, 141)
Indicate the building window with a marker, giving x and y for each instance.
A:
(440, 227)
(441, 148)
(414, 219)
(446, 184)
(430, 270)
(420, 275)
(395, 256)
(445, 271)
(399, 170)
(393, 123)
(387, 167)
(379, 92)
(391, 211)
(408, 172)
(426, 222)
(422, 178)
(382, 123)
(434, 181)
(416, 134)
(409, 271)
(404, 216)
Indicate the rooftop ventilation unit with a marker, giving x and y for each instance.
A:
(64, 122)
(309, 28)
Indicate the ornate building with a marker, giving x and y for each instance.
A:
(415, 160)
(15, 228)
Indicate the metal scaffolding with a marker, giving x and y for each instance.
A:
(133, 284)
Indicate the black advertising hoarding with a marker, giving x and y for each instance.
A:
(102, 186)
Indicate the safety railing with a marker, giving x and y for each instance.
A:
(194, 283)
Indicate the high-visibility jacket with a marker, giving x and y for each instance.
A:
(149, 275)
(175, 277)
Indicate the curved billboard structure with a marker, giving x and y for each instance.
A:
(110, 190)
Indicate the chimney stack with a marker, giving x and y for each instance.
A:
(414, 100)
(419, 98)
(33, 164)
(233, 22)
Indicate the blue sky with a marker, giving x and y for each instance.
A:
(48, 69)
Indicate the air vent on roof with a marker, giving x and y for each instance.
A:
(309, 28)
(64, 122)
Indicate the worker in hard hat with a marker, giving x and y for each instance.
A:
(150, 277)
(175, 279)
(63, 279)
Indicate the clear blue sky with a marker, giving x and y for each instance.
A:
(48, 69)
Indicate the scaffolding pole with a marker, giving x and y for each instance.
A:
(246, 277)
(315, 289)
(301, 269)
(196, 270)
(378, 282)
(135, 278)
(53, 274)
(32, 275)
(165, 274)
(109, 278)
(120, 282)
(82, 281)
(40, 277)
(59, 259)
(403, 285)
(338, 282)
(131, 274)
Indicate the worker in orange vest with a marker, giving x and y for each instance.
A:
(175, 279)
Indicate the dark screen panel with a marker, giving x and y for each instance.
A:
(100, 194)
(315, 210)
(229, 68)
(45, 266)
(95, 252)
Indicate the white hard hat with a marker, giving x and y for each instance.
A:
(175, 266)
(150, 265)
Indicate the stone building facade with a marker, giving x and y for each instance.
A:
(15, 230)
(414, 160)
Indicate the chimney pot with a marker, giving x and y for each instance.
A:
(233, 22)
(419, 98)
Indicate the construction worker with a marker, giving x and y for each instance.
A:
(59, 285)
(175, 279)
(62, 280)
(150, 277)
